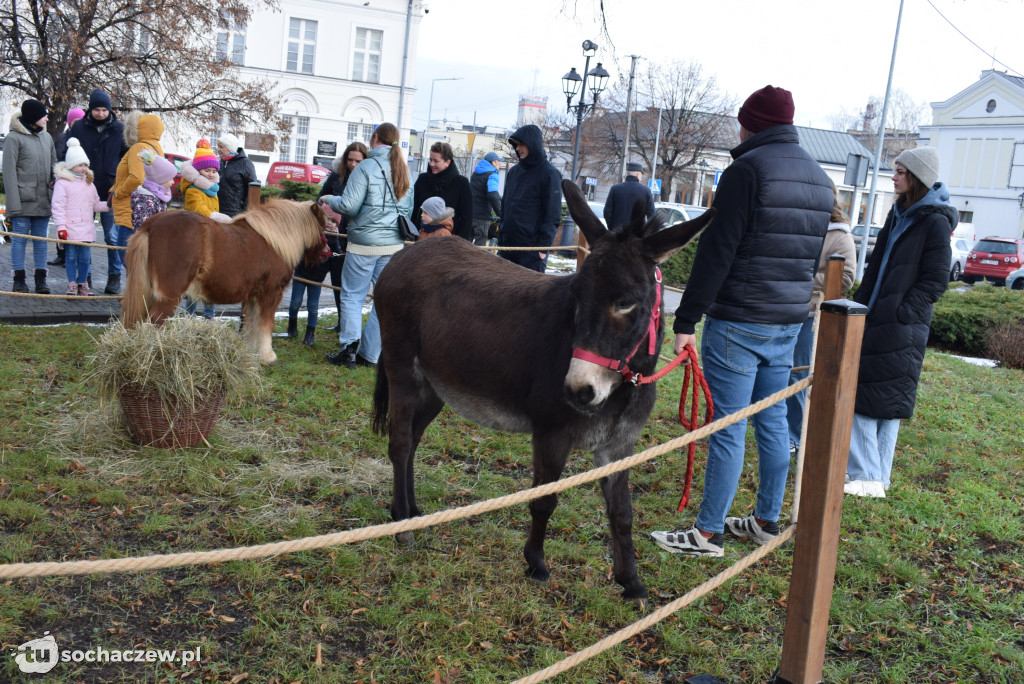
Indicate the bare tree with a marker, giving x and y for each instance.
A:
(154, 55)
(905, 117)
(695, 116)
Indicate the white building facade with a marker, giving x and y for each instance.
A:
(979, 135)
(338, 67)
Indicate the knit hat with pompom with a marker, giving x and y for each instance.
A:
(204, 157)
(158, 169)
(75, 155)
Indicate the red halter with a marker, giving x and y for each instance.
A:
(622, 367)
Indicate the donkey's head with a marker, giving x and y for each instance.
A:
(617, 299)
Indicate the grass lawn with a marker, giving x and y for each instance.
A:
(929, 585)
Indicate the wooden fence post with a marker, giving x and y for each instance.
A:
(254, 194)
(830, 409)
(832, 289)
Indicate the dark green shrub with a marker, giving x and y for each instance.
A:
(965, 318)
(293, 190)
(676, 271)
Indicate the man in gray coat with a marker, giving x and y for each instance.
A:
(29, 158)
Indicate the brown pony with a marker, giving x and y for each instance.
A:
(497, 343)
(249, 260)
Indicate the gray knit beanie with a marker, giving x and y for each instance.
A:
(923, 162)
(434, 207)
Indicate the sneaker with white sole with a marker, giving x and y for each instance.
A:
(690, 542)
(749, 528)
(869, 488)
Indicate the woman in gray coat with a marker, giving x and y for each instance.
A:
(29, 158)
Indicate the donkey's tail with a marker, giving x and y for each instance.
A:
(137, 290)
(381, 400)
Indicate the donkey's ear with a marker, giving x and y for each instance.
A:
(581, 212)
(665, 243)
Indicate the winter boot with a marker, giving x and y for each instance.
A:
(293, 326)
(19, 282)
(113, 284)
(88, 280)
(310, 332)
(41, 281)
(59, 259)
(346, 356)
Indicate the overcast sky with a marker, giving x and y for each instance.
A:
(831, 55)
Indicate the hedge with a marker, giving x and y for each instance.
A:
(965, 317)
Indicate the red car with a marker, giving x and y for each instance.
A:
(993, 258)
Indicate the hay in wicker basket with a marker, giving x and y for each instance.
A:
(172, 380)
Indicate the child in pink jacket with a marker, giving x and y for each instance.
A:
(74, 201)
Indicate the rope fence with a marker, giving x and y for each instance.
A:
(143, 563)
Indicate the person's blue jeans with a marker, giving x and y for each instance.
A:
(357, 275)
(29, 225)
(312, 301)
(121, 236)
(795, 404)
(872, 446)
(209, 310)
(744, 363)
(114, 258)
(77, 259)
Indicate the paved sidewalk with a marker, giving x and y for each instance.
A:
(55, 308)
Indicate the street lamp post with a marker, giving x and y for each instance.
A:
(572, 85)
(704, 166)
(430, 112)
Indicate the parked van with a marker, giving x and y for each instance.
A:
(294, 171)
(966, 232)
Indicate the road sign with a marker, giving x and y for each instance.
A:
(591, 181)
(718, 174)
(654, 184)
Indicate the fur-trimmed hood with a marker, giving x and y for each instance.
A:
(189, 173)
(139, 127)
(16, 124)
(61, 170)
(338, 165)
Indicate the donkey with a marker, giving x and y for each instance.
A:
(496, 342)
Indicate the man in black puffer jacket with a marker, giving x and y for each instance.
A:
(752, 275)
(532, 206)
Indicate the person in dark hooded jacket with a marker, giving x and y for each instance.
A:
(532, 206)
(102, 139)
(484, 184)
(907, 273)
(444, 180)
(236, 173)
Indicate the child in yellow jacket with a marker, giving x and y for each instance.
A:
(200, 181)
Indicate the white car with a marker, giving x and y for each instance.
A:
(671, 213)
(1015, 281)
(961, 247)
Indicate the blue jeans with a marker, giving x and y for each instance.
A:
(121, 235)
(312, 301)
(357, 275)
(77, 259)
(209, 310)
(114, 257)
(795, 404)
(29, 225)
(744, 363)
(872, 445)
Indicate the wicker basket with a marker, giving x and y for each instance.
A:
(149, 425)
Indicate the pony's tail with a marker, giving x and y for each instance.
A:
(381, 401)
(135, 302)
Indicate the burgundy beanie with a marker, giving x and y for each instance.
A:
(767, 107)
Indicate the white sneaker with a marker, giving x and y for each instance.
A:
(690, 543)
(869, 488)
(748, 527)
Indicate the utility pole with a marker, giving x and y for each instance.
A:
(629, 115)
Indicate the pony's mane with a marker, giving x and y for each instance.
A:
(290, 228)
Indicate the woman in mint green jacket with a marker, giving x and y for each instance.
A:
(377, 192)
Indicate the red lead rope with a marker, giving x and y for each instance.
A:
(699, 385)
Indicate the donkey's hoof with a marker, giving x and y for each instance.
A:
(640, 602)
(406, 538)
(538, 575)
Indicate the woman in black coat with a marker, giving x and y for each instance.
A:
(444, 180)
(341, 169)
(908, 272)
(236, 173)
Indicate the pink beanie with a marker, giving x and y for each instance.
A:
(74, 114)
